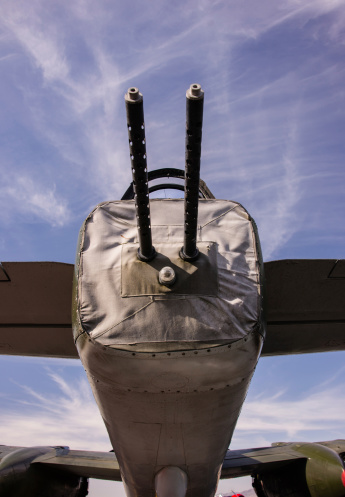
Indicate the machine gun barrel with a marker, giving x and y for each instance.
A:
(137, 150)
(194, 113)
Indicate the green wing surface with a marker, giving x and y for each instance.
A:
(88, 464)
(103, 465)
(246, 462)
(100, 465)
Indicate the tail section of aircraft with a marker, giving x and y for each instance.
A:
(168, 318)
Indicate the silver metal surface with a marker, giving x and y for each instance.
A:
(171, 482)
(167, 276)
(195, 91)
(133, 95)
(170, 408)
(215, 299)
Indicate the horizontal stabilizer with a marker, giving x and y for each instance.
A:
(305, 306)
(35, 311)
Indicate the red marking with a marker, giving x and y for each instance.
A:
(343, 477)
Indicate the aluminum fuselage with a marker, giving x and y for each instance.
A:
(170, 408)
(169, 367)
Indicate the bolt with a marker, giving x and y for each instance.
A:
(167, 276)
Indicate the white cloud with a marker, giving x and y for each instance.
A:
(66, 416)
(28, 198)
(87, 56)
(40, 40)
(317, 416)
(282, 219)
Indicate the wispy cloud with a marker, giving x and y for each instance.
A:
(42, 46)
(66, 416)
(318, 415)
(261, 87)
(31, 199)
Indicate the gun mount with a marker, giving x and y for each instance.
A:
(193, 187)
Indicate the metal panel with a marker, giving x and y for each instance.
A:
(199, 277)
(35, 311)
(149, 314)
(305, 306)
(245, 462)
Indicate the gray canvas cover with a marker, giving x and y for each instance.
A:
(216, 299)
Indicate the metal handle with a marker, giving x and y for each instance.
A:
(168, 172)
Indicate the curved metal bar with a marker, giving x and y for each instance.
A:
(166, 186)
(169, 172)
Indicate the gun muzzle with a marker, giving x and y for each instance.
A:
(137, 150)
(194, 113)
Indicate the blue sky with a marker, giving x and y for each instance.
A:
(274, 77)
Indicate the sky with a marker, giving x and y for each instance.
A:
(273, 74)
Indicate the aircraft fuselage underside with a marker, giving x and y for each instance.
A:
(171, 408)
